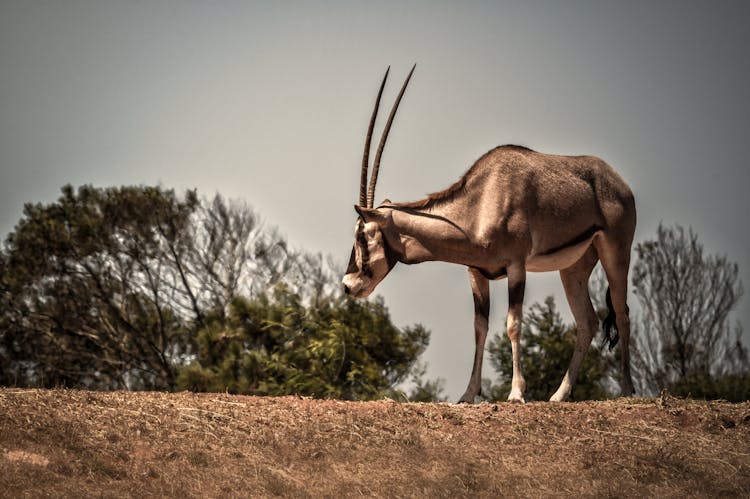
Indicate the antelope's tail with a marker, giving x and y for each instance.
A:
(609, 325)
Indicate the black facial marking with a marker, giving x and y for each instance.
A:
(362, 241)
(352, 267)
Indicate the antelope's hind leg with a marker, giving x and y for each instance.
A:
(480, 289)
(575, 281)
(615, 257)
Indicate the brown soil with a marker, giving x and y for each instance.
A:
(76, 443)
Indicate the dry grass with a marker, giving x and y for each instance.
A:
(76, 443)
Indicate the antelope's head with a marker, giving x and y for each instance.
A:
(371, 257)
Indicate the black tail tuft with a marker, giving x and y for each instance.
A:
(609, 325)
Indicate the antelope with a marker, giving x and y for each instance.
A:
(514, 211)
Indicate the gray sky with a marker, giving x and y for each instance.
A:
(269, 102)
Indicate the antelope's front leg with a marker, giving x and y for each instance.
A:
(480, 288)
(516, 287)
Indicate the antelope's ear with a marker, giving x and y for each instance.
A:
(376, 215)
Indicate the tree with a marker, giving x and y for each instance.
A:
(423, 390)
(276, 345)
(683, 339)
(107, 288)
(87, 300)
(138, 288)
(227, 252)
(546, 348)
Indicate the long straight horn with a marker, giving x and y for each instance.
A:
(383, 138)
(366, 156)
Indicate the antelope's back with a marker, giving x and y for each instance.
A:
(561, 195)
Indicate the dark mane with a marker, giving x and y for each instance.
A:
(439, 196)
(514, 147)
(450, 192)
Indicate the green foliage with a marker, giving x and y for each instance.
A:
(276, 345)
(78, 302)
(546, 348)
(135, 287)
(423, 390)
(428, 391)
(733, 387)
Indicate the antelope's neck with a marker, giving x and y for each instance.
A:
(429, 234)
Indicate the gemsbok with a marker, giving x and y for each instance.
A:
(514, 211)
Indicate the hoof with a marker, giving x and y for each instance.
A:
(562, 393)
(627, 391)
(516, 396)
(558, 397)
(467, 399)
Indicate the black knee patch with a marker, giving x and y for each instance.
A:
(515, 293)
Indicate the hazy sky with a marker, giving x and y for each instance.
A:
(269, 102)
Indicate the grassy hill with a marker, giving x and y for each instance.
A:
(75, 443)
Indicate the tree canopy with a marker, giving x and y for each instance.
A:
(140, 288)
(684, 340)
(339, 348)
